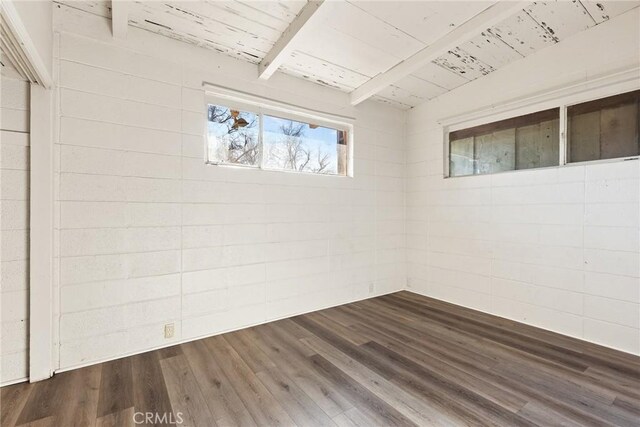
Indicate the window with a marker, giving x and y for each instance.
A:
(251, 137)
(605, 128)
(530, 141)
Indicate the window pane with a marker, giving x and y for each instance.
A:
(461, 158)
(495, 152)
(303, 147)
(232, 136)
(538, 145)
(524, 142)
(584, 136)
(605, 128)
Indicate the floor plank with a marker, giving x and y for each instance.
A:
(150, 394)
(375, 407)
(124, 418)
(217, 390)
(418, 411)
(400, 359)
(353, 418)
(292, 358)
(45, 399)
(116, 387)
(300, 407)
(185, 396)
(81, 403)
(263, 407)
(12, 400)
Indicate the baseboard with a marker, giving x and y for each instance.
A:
(413, 291)
(184, 341)
(16, 381)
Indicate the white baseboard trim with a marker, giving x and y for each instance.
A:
(174, 343)
(15, 381)
(413, 291)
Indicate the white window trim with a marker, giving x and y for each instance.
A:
(564, 97)
(265, 106)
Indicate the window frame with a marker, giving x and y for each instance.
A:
(263, 106)
(561, 98)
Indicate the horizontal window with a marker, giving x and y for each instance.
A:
(530, 141)
(254, 138)
(606, 128)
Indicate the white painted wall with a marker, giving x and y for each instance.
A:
(14, 225)
(147, 234)
(557, 248)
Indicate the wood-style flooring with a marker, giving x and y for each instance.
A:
(399, 359)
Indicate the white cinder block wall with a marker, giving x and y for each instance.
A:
(14, 224)
(557, 248)
(147, 234)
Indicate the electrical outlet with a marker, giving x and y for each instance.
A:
(169, 330)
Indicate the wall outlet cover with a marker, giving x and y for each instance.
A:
(169, 330)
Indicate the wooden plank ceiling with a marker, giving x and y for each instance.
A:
(361, 39)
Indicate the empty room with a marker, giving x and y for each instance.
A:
(319, 213)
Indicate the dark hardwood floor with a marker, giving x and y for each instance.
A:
(400, 359)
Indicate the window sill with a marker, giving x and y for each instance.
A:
(259, 168)
(572, 164)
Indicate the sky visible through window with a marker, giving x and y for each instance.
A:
(314, 150)
(324, 137)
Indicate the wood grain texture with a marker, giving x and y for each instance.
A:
(400, 359)
(358, 40)
(184, 393)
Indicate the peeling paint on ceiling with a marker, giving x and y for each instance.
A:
(362, 39)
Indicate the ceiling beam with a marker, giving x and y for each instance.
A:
(119, 18)
(286, 43)
(24, 45)
(464, 32)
